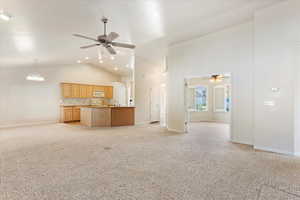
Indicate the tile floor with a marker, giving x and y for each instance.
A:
(64, 162)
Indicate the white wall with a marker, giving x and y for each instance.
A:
(148, 80)
(210, 115)
(24, 101)
(297, 100)
(260, 55)
(228, 51)
(277, 32)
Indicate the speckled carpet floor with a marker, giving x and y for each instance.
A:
(64, 162)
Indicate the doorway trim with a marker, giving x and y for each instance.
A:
(186, 109)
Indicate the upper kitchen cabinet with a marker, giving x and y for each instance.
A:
(98, 88)
(83, 91)
(90, 91)
(66, 90)
(75, 91)
(108, 93)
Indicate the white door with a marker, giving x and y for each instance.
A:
(163, 106)
(119, 94)
(155, 104)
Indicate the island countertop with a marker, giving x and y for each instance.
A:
(97, 116)
(112, 107)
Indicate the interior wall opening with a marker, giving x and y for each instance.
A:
(208, 102)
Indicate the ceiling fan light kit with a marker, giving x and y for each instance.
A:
(105, 40)
(216, 78)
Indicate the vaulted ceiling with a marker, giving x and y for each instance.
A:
(42, 29)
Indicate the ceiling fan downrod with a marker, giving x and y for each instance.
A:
(104, 20)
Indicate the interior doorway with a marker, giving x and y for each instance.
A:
(163, 106)
(208, 102)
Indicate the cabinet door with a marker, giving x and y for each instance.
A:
(76, 114)
(90, 91)
(68, 115)
(99, 88)
(75, 91)
(66, 90)
(83, 91)
(109, 92)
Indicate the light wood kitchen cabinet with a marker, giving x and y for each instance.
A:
(75, 91)
(90, 91)
(66, 90)
(67, 114)
(83, 91)
(108, 92)
(76, 114)
(98, 88)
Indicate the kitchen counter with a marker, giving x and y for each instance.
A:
(99, 107)
(105, 116)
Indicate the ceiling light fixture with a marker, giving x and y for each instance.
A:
(100, 61)
(78, 61)
(116, 69)
(5, 16)
(87, 58)
(216, 78)
(112, 57)
(35, 77)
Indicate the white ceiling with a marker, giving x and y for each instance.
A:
(42, 29)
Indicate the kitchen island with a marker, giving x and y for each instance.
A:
(99, 116)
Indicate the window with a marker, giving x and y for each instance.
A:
(228, 98)
(201, 99)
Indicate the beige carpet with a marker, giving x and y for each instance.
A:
(64, 162)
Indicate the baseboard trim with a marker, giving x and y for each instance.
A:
(239, 142)
(210, 121)
(142, 123)
(175, 130)
(274, 150)
(23, 124)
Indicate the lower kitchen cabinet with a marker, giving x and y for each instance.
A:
(76, 114)
(69, 114)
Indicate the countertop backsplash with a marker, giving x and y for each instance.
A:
(79, 102)
(85, 102)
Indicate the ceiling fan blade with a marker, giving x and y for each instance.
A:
(85, 37)
(111, 50)
(88, 46)
(117, 44)
(112, 36)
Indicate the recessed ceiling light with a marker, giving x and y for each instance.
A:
(112, 57)
(116, 69)
(5, 16)
(100, 61)
(78, 61)
(35, 77)
(86, 58)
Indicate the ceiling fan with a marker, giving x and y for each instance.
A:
(106, 40)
